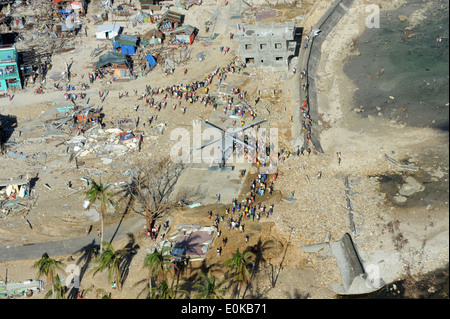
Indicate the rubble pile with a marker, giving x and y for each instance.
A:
(111, 142)
(15, 196)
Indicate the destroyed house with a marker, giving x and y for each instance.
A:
(11, 189)
(150, 4)
(184, 34)
(9, 69)
(17, 23)
(152, 37)
(170, 20)
(68, 6)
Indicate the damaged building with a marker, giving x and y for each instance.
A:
(9, 68)
(268, 45)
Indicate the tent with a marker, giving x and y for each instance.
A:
(113, 57)
(151, 60)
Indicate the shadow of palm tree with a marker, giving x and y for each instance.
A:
(85, 259)
(129, 204)
(131, 248)
(193, 274)
(258, 250)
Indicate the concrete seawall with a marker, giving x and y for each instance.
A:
(309, 62)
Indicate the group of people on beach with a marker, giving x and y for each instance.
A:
(238, 212)
(197, 92)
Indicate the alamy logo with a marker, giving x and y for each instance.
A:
(73, 279)
(373, 19)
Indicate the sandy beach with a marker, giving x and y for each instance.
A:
(400, 221)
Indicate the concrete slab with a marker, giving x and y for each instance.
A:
(202, 184)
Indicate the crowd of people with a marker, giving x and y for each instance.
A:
(250, 209)
(157, 98)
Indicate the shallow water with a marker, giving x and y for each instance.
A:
(415, 70)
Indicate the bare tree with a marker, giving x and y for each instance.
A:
(153, 185)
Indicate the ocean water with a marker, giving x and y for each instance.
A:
(413, 70)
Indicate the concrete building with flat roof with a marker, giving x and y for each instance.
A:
(9, 69)
(267, 45)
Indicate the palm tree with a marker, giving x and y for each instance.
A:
(56, 288)
(209, 289)
(99, 292)
(103, 293)
(111, 260)
(99, 192)
(237, 266)
(158, 264)
(164, 291)
(48, 266)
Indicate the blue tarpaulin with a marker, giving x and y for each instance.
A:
(151, 60)
(128, 49)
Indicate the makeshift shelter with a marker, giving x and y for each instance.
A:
(126, 43)
(124, 39)
(116, 59)
(108, 31)
(151, 60)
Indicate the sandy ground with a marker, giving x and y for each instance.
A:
(320, 206)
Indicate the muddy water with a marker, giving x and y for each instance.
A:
(405, 77)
